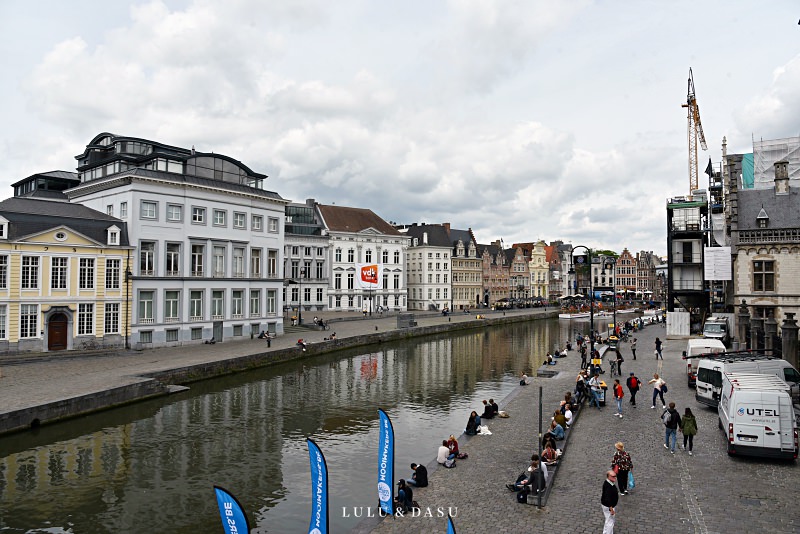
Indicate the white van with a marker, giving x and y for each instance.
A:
(695, 348)
(756, 414)
(717, 328)
(710, 371)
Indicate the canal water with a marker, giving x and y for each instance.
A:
(150, 467)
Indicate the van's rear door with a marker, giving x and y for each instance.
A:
(787, 423)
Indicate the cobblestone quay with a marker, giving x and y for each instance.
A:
(708, 492)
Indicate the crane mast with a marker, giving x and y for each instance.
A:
(694, 132)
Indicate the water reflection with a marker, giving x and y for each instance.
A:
(150, 467)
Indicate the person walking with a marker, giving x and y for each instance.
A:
(609, 500)
(658, 349)
(620, 359)
(594, 385)
(633, 387)
(633, 348)
(623, 465)
(658, 390)
(618, 394)
(688, 427)
(672, 420)
(583, 357)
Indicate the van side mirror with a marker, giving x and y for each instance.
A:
(684, 354)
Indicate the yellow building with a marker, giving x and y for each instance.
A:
(63, 282)
(540, 271)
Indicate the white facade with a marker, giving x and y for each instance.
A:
(208, 259)
(429, 276)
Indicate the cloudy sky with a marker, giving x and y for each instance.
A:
(520, 119)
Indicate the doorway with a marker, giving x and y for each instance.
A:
(57, 332)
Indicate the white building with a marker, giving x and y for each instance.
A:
(359, 238)
(429, 266)
(208, 238)
(307, 260)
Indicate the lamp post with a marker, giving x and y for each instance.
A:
(588, 260)
(612, 263)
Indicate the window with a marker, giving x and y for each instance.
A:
(3, 272)
(320, 270)
(257, 223)
(173, 257)
(30, 272)
(197, 333)
(196, 306)
(338, 302)
(146, 336)
(198, 251)
(110, 210)
(217, 304)
(295, 251)
(172, 334)
(307, 251)
(397, 281)
(255, 263)
(763, 275)
(271, 302)
(147, 252)
(85, 319)
(255, 303)
(273, 225)
(237, 304)
(397, 256)
(306, 294)
(3, 316)
(218, 261)
(123, 210)
(295, 269)
(368, 256)
(385, 255)
(198, 215)
(239, 220)
(58, 273)
(272, 263)
(337, 281)
(174, 212)
(149, 209)
(86, 273)
(238, 262)
(319, 252)
(319, 294)
(172, 306)
(338, 255)
(146, 307)
(350, 280)
(295, 294)
(28, 320)
(237, 330)
(219, 217)
(351, 255)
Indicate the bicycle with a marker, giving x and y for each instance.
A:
(613, 365)
(90, 344)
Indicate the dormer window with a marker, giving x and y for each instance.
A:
(762, 220)
(112, 235)
(3, 228)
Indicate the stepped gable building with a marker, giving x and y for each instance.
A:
(626, 277)
(646, 263)
(306, 259)
(208, 238)
(467, 267)
(359, 238)
(62, 271)
(495, 271)
(519, 282)
(428, 265)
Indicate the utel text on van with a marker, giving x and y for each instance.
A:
(756, 414)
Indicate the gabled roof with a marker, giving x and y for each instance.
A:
(437, 234)
(343, 219)
(29, 216)
(550, 250)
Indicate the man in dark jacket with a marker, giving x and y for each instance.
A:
(420, 476)
(671, 423)
(609, 501)
(633, 387)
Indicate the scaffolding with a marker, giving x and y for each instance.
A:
(766, 153)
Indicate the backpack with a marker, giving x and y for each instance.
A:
(667, 417)
(450, 462)
(635, 384)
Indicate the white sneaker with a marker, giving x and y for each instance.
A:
(665, 446)
(690, 453)
(652, 407)
(620, 416)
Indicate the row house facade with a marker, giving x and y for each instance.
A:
(519, 277)
(646, 263)
(495, 271)
(359, 237)
(467, 267)
(626, 273)
(428, 266)
(539, 268)
(306, 259)
(208, 238)
(63, 282)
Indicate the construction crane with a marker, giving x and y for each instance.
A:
(694, 132)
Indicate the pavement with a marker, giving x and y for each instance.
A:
(705, 493)
(708, 492)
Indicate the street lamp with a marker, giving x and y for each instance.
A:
(588, 260)
(300, 299)
(612, 262)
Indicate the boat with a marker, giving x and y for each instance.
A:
(580, 315)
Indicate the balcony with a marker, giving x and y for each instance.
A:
(146, 320)
(197, 274)
(196, 318)
(172, 319)
(147, 272)
(173, 273)
(219, 274)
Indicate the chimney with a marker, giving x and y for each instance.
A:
(446, 227)
(424, 238)
(782, 177)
